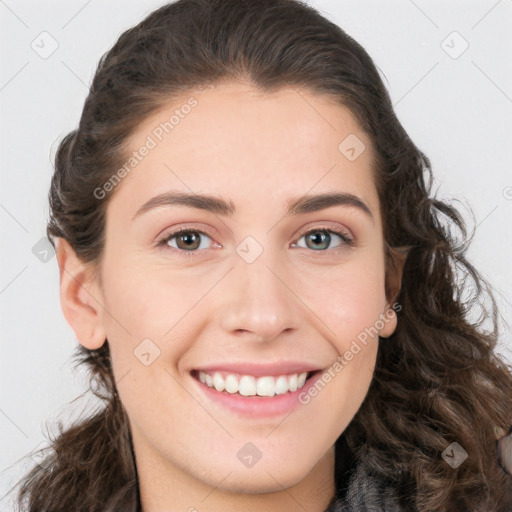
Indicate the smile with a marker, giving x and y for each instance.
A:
(248, 385)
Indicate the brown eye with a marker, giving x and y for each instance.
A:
(185, 240)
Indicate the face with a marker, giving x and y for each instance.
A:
(261, 284)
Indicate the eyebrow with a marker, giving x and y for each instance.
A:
(219, 206)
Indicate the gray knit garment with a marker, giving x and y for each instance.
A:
(367, 493)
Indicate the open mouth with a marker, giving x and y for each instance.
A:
(252, 386)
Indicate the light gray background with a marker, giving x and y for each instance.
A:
(457, 110)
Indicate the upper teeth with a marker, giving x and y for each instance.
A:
(248, 385)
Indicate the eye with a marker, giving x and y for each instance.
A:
(185, 239)
(320, 239)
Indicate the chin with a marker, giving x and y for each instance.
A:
(261, 482)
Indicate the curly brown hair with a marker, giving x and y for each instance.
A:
(437, 380)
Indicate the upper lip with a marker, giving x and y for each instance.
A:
(260, 369)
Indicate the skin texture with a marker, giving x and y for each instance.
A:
(293, 302)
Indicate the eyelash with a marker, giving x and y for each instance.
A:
(347, 240)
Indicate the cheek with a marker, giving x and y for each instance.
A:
(349, 308)
(151, 309)
(149, 298)
(348, 299)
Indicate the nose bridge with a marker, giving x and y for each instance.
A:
(256, 298)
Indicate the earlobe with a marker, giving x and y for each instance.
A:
(80, 297)
(390, 322)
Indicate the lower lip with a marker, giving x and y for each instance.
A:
(258, 406)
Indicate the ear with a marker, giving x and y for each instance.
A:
(80, 297)
(395, 261)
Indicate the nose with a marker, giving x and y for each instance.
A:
(259, 301)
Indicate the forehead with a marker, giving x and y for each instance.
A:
(250, 146)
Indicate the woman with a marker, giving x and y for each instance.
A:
(262, 285)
